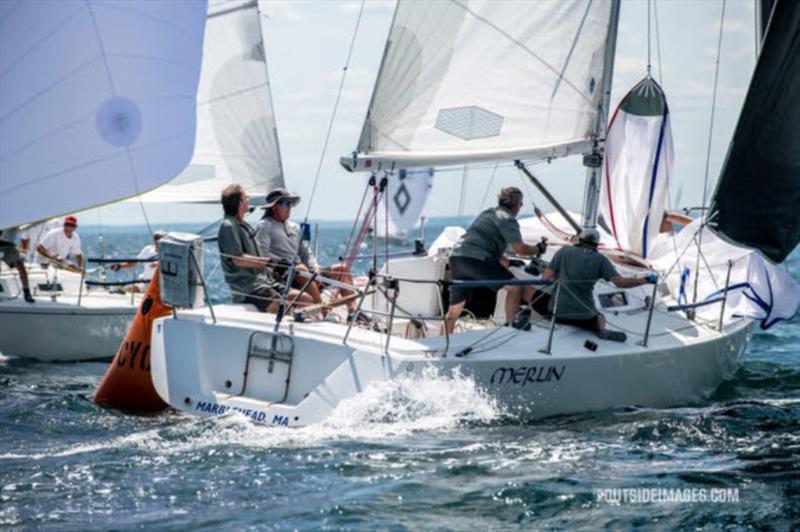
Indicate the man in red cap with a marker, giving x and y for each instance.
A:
(59, 244)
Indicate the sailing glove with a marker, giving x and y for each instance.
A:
(542, 245)
(651, 278)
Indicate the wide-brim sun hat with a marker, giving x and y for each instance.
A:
(277, 194)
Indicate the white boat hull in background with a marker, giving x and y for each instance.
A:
(203, 368)
(62, 330)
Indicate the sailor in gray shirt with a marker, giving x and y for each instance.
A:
(578, 268)
(247, 272)
(480, 255)
(280, 239)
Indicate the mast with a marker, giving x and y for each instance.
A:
(594, 161)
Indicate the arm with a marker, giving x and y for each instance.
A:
(79, 259)
(548, 274)
(250, 261)
(629, 282)
(43, 252)
(120, 266)
(521, 248)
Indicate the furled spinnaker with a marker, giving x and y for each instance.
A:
(97, 101)
(638, 164)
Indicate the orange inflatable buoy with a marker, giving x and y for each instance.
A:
(127, 384)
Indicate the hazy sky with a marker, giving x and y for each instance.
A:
(307, 43)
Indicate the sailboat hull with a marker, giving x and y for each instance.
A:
(64, 329)
(62, 332)
(300, 375)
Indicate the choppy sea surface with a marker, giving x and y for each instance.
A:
(423, 453)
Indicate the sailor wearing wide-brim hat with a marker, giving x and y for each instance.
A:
(277, 236)
(280, 194)
(280, 239)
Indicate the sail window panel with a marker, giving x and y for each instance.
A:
(236, 134)
(537, 65)
(469, 123)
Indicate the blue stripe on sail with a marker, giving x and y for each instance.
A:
(653, 178)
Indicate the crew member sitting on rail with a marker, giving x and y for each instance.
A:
(247, 273)
(148, 253)
(280, 239)
(577, 268)
(10, 255)
(479, 255)
(59, 244)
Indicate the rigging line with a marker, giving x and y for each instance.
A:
(658, 43)
(648, 38)
(333, 113)
(489, 185)
(708, 148)
(356, 219)
(463, 195)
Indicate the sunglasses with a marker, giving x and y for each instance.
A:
(285, 203)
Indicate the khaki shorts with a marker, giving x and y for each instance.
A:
(10, 254)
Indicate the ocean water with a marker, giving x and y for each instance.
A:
(425, 453)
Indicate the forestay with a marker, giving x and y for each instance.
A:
(97, 101)
(237, 141)
(638, 164)
(470, 80)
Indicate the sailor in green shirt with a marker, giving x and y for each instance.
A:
(480, 254)
(247, 273)
(578, 268)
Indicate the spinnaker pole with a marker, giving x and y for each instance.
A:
(593, 161)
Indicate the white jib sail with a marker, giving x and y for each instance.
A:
(237, 141)
(97, 101)
(469, 80)
(406, 195)
(638, 165)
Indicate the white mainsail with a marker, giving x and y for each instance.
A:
(470, 80)
(237, 141)
(97, 101)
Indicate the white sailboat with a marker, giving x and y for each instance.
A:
(97, 104)
(460, 82)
